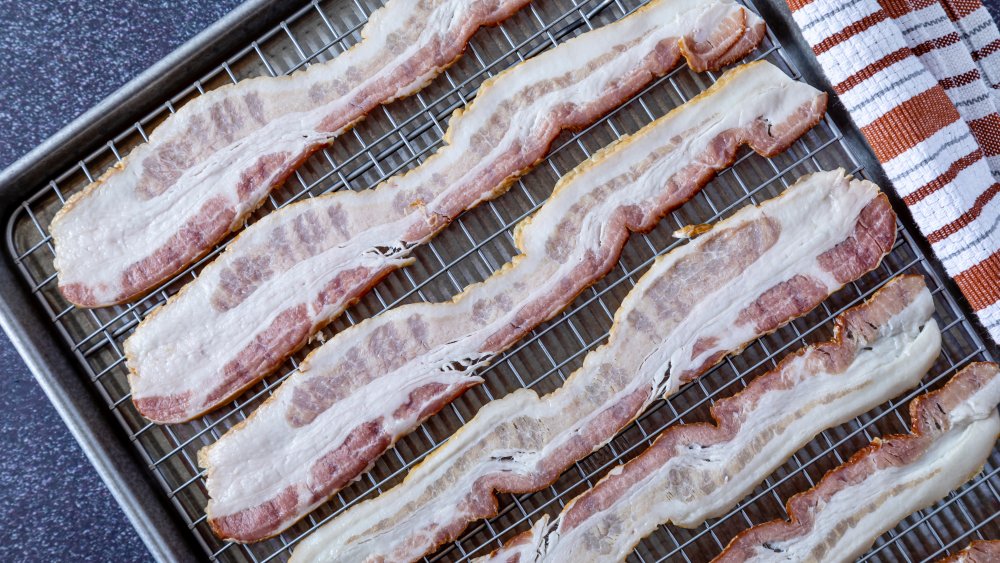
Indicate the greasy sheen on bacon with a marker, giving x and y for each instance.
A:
(207, 167)
(694, 472)
(953, 432)
(745, 277)
(297, 269)
(373, 383)
(979, 551)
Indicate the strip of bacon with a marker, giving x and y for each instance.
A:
(698, 471)
(747, 276)
(954, 430)
(979, 551)
(207, 167)
(371, 384)
(297, 269)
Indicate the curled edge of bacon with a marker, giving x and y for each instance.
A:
(971, 395)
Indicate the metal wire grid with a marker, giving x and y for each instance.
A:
(401, 135)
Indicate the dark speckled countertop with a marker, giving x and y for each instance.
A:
(57, 59)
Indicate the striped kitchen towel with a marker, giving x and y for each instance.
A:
(921, 78)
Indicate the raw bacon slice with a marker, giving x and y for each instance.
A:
(698, 471)
(371, 384)
(745, 277)
(954, 431)
(297, 269)
(212, 163)
(979, 551)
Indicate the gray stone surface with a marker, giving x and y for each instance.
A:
(57, 59)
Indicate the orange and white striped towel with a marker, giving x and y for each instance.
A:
(921, 78)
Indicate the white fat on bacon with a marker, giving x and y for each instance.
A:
(697, 471)
(213, 162)
(694, 305)
(954, 431)
(375, 382)
(295, 270)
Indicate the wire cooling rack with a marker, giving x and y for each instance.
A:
(398, 137)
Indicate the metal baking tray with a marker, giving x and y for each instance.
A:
(76, 354)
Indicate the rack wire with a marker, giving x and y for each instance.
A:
(399, 136)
